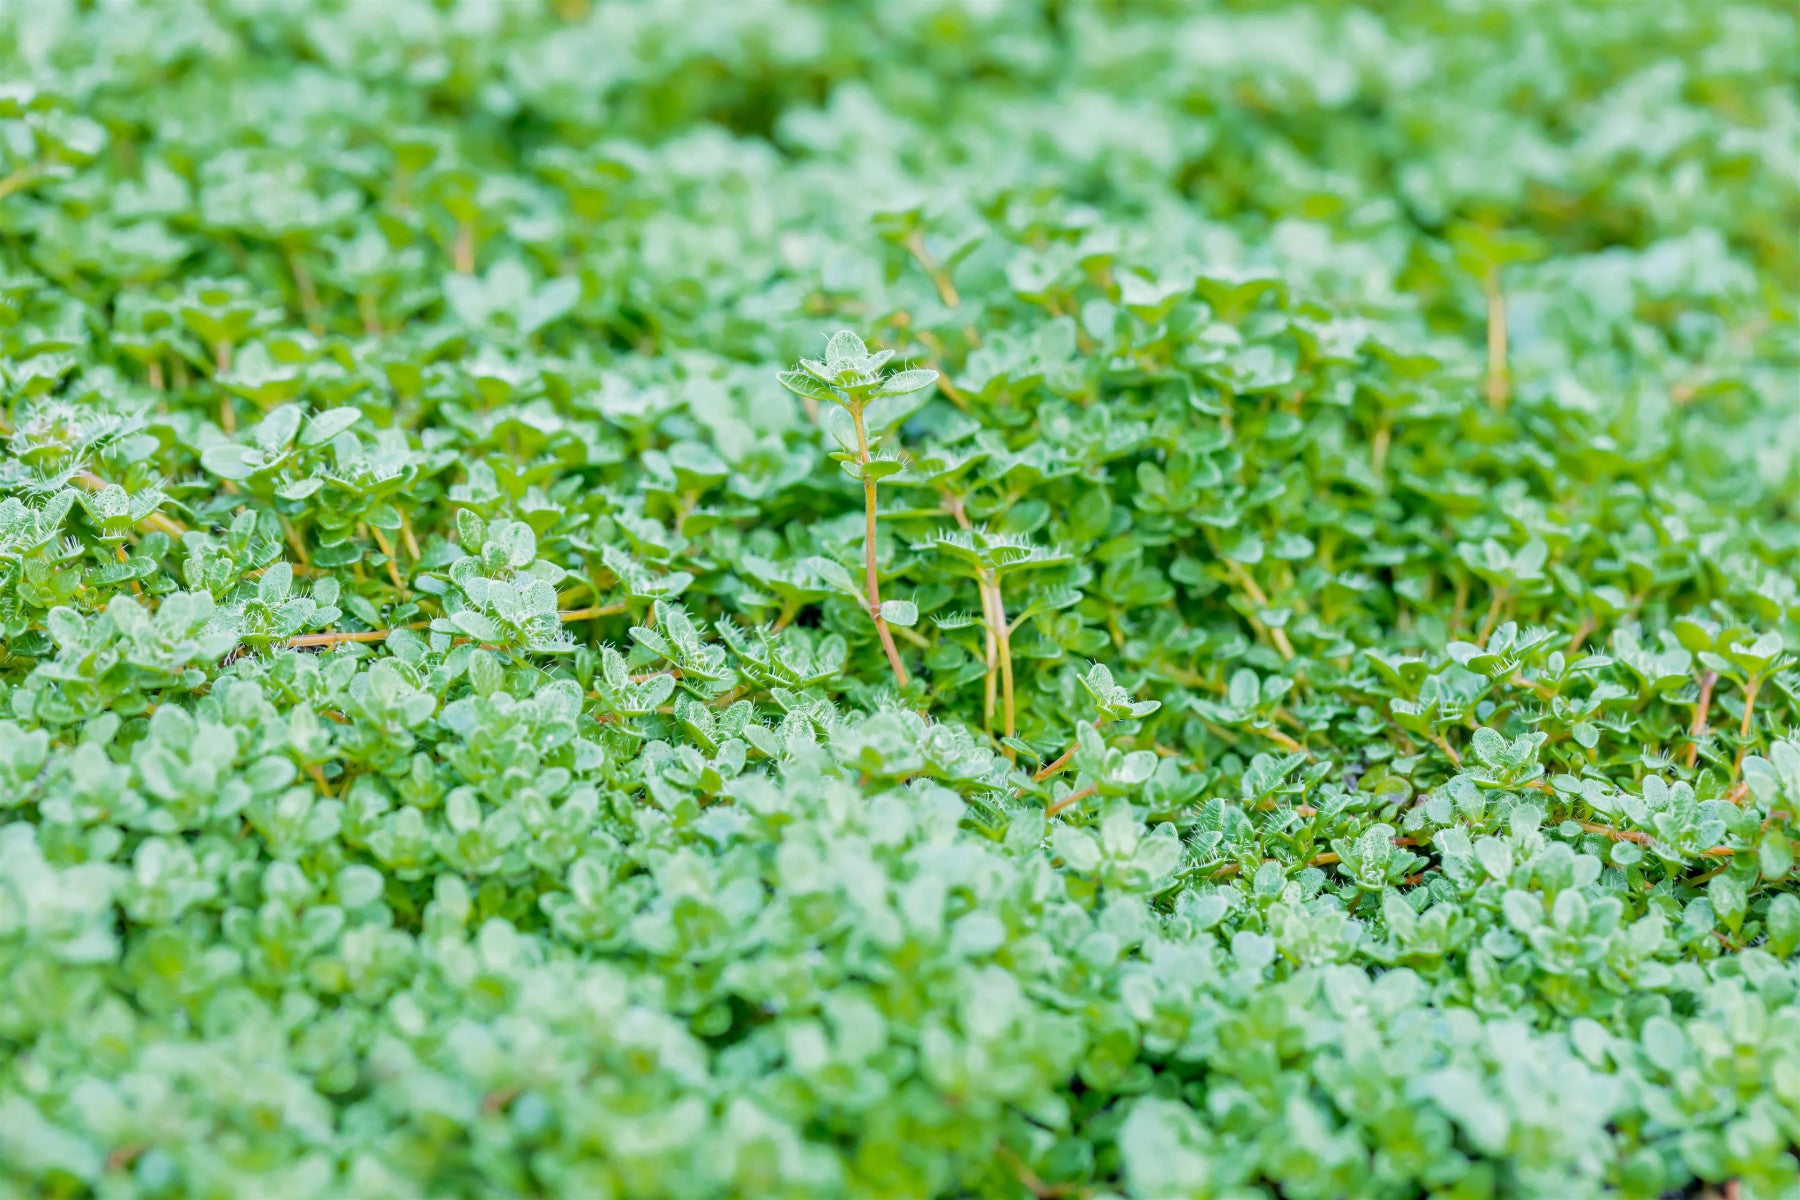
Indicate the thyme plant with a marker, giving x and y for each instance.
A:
(1251, 657)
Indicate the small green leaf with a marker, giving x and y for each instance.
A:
(900, 612)
(321, 427)
(1775, 855)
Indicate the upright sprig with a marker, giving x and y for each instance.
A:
(852, 378)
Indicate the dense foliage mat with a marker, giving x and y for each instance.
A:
(926, 598)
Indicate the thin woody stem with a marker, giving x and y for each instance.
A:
(308, 640)
(990, 683)
(25, 175)
(592, 611)
(1071, 799)
(954, 505)
(1750, 690)
(1006, 665)
(1378, 450)
(1062, 761)
(371, 319)
(1697, 730)
(1257, 597)
(915, 246)
(1493, 616)
(464, 252)
(945, 384)
(305, 290)
(393, 568)
(1283, 740)
(1049, 769)
(312, 640)
(295, 542)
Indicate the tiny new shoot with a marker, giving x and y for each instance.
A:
(1111, 703)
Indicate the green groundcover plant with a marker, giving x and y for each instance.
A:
(962, 598)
